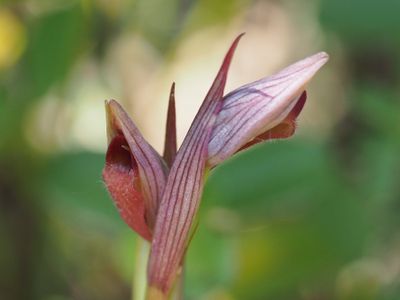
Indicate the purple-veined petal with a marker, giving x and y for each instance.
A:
(183, 191)
(283, 130)
(253, 109)
(150, 167)
(170, 131)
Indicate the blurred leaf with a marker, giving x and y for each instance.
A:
(380, 109)
(391, 292)
(158, 27)
(55, 41)
(272, 174)
(72, 184)
(209, 262)
(12, 36)
(301, 222)
(360, 20)
(208, 13)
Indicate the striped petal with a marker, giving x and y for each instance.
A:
(134, 174)
(263, 109)
(283, 130)
(183, 191)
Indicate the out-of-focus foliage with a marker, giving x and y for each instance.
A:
(314, 217)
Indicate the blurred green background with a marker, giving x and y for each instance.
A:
(315, 217)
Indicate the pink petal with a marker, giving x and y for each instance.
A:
(255, 108)
(183, 190)
(150, 166)
(283, 130)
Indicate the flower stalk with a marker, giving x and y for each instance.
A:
(139, 282)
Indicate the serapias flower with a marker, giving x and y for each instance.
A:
(158, 197)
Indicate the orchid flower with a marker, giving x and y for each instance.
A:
(158, 197)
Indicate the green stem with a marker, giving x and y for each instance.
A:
(139, 281)
(178, 292)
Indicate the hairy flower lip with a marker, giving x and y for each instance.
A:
(151, 167)
(120, 175)
(275, 96)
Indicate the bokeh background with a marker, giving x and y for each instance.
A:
(315, 217)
